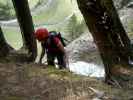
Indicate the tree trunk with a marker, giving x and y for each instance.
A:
(108, 33)
(4, 47)
(26, 26)
(121, 38)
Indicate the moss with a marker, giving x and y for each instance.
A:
(63, 74)
(13, 98)
(52, 72)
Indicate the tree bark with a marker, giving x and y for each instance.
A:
(109, 35)
(26, 25)
(121, 38)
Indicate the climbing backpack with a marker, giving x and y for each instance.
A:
(58, 35)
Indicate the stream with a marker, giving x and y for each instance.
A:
(87, 69)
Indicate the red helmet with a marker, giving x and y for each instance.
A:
(41, 34)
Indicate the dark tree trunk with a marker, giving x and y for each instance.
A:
(26, 26)
(109, 35)
(4, 47)
(119, 36)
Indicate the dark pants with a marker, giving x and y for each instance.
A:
(60, 58)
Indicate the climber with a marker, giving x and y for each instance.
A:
(53, 47)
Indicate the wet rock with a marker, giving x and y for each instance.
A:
(83, 49)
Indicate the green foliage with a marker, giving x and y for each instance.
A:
(51, 71)
(75, 28)
(130, 25)
(53, 14)
(13, 98)
(6, 11)
(13, 36)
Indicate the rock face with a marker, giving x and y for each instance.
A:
(125, 10)
(121, 3)
(83, 49)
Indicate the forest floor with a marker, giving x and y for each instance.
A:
(22, 81)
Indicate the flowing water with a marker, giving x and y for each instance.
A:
(87, 69)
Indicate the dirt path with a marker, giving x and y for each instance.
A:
(36, 82)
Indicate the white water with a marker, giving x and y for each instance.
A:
(84, 68)
(87, 69)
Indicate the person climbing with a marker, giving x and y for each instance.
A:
(53, 47)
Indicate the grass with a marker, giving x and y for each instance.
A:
(31, 81)
(13, 36)
(36, 71)
(13, 98)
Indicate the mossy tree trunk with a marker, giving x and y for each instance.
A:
(4, 46)
(109, 35)
(26, 25)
